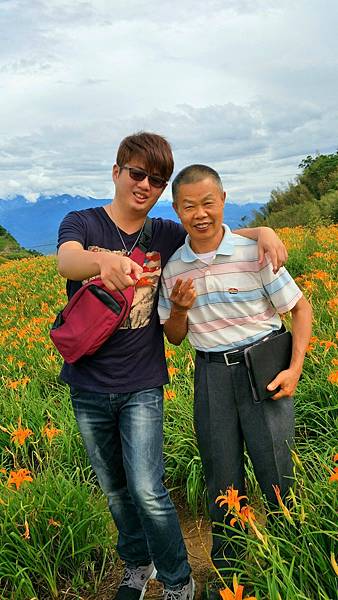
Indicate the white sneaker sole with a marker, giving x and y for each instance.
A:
(151, 576)
(193, 589)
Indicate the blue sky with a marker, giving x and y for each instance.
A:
(247, 86)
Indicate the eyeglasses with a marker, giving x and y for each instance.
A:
(139, 175)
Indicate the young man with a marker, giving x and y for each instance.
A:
(215, 291)
(117, 392)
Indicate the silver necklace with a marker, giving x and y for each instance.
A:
(126, 251)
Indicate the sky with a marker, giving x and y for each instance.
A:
(249, 87)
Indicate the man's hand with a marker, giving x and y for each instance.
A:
(287, 380)
(268, 241)
(183, 295)
(115, 270)
(118, 272)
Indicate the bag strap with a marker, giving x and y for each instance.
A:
(139, 252)
(145, 239)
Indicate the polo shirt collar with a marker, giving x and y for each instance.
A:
(226, 246)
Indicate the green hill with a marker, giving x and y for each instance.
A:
(309, 200)
(10, 249)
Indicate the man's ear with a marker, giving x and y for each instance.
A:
(115, 172)
(225, 196)
(174, 205)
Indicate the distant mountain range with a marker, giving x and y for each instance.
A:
(35, 224)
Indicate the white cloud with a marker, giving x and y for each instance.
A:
(247, 86)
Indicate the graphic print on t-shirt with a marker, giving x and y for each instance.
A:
(145, 288)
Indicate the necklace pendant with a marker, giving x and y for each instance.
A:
(128, 253)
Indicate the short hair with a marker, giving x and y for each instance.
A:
(153, 149)
(193, 174)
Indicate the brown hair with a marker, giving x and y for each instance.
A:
(193, 174)
(153, 149)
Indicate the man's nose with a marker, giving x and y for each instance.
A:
(200, 212)
(144, 184)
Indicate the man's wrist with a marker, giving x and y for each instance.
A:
(178, 311)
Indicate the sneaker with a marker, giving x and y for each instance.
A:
(185, 592)
(134, 582)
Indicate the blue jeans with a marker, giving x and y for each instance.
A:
(123, 435)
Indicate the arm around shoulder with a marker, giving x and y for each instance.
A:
(268, 241)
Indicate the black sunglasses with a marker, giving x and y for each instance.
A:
(139, 175)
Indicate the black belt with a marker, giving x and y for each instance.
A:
(229, 358)
(233, 357)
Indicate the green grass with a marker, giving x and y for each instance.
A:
(294, 562)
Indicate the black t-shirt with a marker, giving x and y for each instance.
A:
(133, 358)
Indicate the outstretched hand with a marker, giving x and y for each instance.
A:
(119, 272)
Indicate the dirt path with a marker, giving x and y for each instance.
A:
(196, 535)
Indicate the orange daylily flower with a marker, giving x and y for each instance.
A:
(20, 435)
(50, 432)
(237, 594)
(169, 394)
(169, 353)
(333, 377)
(245, 515)
(54, 523)
(328, 344)
(26, 535)
(13, 385)
(335, 458)
(334, 563)
(322, 275)
(333, 304)
(172, 371)
(18, 477)
(285, 510)
(231, 498)
(334, 476)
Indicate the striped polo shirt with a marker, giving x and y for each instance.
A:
(238, 300)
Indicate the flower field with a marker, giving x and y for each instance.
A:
(57, 538)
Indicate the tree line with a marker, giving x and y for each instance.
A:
(312, 198)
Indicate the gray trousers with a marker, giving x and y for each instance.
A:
(226, 417)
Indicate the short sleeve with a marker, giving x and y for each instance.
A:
(164, 304)
(73, 228)
(281, 289)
